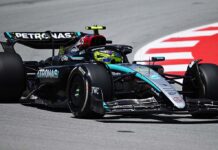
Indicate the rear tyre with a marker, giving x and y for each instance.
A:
(207, 88)
(81, 82)
(12, 77)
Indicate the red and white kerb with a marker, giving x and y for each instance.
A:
(179, 49)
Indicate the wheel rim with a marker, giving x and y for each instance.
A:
(77, 92)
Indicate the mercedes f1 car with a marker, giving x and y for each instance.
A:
(93, 77)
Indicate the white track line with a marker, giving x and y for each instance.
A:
(197, 34)
(176, 44)
(175, 68)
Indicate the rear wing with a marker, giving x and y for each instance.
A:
(43, 40)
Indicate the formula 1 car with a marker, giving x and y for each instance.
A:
(93, 77)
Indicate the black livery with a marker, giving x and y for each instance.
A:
(92, 77)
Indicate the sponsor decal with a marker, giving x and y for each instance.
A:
(96, 90)
(178, 99)
(43, 36)
(172, 93)
(164, 84)
(141, 69)
(155, 76)
(97, 93)
(48, 73)
(146, 71)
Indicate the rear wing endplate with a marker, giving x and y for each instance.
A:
(8, 47)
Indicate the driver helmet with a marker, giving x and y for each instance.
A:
(108, 56)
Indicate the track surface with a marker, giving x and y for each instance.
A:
(129, 22)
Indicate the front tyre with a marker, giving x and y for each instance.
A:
(205, 85)
(81, 82)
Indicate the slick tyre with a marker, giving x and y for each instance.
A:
(208, 75)
(12, 77)
(81, 81)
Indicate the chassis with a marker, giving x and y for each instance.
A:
(92, 88)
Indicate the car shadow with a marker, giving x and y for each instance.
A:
(3, 101)
(157, 119)
(134, 119)
(46, 108)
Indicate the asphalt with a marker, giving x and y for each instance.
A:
(128, 22)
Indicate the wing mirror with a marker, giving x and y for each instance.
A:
(154, 59)
(127, 50)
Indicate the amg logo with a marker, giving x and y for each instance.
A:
(48, 73)
(42, 36)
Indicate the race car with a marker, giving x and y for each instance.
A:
(93, 77)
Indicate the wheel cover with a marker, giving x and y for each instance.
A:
(77, 92)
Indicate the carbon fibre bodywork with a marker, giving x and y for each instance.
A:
(132, 88)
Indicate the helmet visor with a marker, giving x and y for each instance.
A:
(108, 56)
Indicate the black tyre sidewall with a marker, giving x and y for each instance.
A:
(209, 78)
(209, 75)
(92, 75)
(12, 77)
(77, 110)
